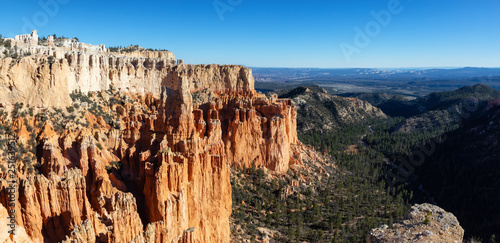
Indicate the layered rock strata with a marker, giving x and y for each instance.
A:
(46, 82)
(162, 174)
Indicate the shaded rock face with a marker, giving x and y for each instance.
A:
(440, 109)
(424, 223)
(173, 184)
(471, 153)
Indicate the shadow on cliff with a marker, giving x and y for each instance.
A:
(56, 228)
(135, 181)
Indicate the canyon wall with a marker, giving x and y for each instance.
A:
(159, 174)
(46, 78)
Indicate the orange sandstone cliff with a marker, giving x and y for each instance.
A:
(145, 157)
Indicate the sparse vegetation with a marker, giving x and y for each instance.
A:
(61, 119)
(131, 48)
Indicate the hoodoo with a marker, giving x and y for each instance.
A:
(145, 156)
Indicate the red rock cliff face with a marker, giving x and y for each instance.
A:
(175, 152)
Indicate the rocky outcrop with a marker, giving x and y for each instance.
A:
(81, 234)
(148, 163)
(424, 223)
(26, 39)
(324, 112)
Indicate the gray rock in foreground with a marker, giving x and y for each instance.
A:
(441, 226)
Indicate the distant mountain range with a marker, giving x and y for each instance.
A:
(400, 83)
(284, 74)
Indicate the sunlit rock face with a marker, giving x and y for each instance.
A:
(160, 174)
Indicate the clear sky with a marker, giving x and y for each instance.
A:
(279, 33)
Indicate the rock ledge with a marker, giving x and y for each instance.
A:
(424, 223)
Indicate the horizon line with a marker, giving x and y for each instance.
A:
(436, 67)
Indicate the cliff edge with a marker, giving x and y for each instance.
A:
(115, 147)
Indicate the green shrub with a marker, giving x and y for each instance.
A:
(7, 44)
(427, 219)
(117, 165)
(114, 165)
(17, 107)
(70, 109)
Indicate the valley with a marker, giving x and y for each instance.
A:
(416, 136)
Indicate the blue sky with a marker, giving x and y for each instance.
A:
(272, 33)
